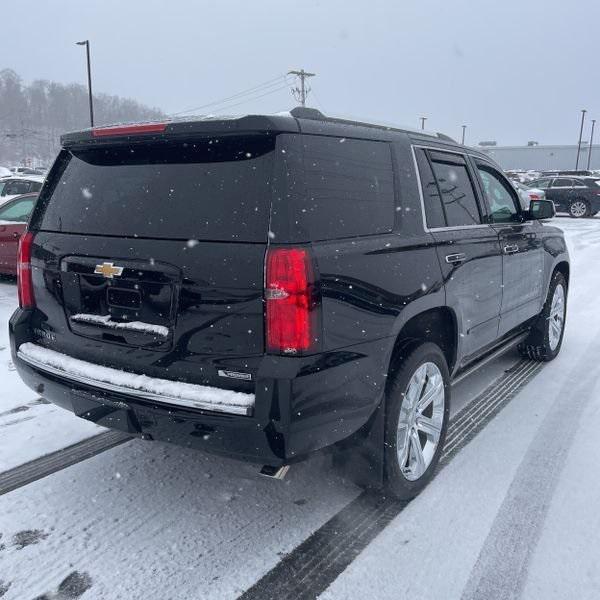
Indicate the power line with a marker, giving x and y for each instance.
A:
(283, 87)
(257, 88)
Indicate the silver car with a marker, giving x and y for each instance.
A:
(527, 194)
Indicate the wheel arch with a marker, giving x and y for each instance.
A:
(438, 325)
(564, 268)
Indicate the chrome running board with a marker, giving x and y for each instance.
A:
(502, 349)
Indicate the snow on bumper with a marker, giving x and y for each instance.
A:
(141, 386)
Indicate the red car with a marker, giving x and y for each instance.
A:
(13, 222)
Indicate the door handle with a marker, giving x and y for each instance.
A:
(510, 249)
(455, 258)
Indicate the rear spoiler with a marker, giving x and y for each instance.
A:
(161, 131)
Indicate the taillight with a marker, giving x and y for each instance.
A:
(534, 197)
(24, 279)
(289, 294)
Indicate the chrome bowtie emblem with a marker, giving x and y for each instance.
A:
(108, 270)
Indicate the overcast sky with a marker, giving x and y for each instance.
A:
(512, 70)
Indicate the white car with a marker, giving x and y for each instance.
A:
(5, 172)
(15, 185)
(527, 194)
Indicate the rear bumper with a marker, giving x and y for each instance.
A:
(300, 404)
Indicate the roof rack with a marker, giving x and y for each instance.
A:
(302, 112)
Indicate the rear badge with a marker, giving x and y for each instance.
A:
(108, 270)
(235, 375)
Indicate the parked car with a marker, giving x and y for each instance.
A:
(5, 172)
(527, 194)
(25, 171)
(11, 187)
(579, 196)
(280, 284)
(13, 223)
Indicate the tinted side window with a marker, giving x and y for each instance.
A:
(458, 196)
(434, 212)
(349, 188)
(562, 183)
(501, 200)
(35, 186)
(541, 184)
(13, 188)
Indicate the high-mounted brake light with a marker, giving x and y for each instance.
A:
(129, 129)
(290, 312)
(24, 277)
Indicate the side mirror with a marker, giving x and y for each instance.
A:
(541, 209)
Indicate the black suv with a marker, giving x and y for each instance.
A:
(579, 196)
(268, 286)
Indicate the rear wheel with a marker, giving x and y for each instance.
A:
(579, 208)
(417, 411)
(545, 340)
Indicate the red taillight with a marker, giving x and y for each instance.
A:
(534, 197)
(129, 129)
(289, 296)
(24, 279)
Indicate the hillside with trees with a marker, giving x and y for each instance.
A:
(33, 116)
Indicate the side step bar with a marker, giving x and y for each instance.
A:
(492, 355)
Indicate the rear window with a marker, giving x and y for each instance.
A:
(334, 188)
(211, 189)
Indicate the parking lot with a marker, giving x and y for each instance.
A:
(189, 525)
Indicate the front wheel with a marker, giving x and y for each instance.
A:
(545, 340)
(417, 412)
(579, 209)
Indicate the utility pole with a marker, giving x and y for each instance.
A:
(580, 137)
(591, 142)
(464, 129)
(423, 119)
(86, 43)
(301, 93)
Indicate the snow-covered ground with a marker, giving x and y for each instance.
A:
(513, 515)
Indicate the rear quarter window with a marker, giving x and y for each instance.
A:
(335, 188)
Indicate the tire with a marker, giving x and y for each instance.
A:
(404, 481)
(544, 341)
(579, 208)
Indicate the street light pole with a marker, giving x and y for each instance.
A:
(464, 128)
(580, 137)
(86, 43)
(591, 142)
(423, 119)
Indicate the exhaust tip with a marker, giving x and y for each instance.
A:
(275, 472)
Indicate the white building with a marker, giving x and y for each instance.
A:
(542, 158)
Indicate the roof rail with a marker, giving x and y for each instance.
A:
(302, 112)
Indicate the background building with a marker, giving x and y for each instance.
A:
(541, 158)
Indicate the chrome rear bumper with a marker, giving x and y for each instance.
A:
(107, 379)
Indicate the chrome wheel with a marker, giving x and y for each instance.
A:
(578, 208)
(420, 421)
(556, 320)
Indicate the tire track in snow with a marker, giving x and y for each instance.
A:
(502, 566)
(46, 465)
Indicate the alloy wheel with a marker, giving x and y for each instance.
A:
(420, 421)
(556, 319)
(578, 208)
